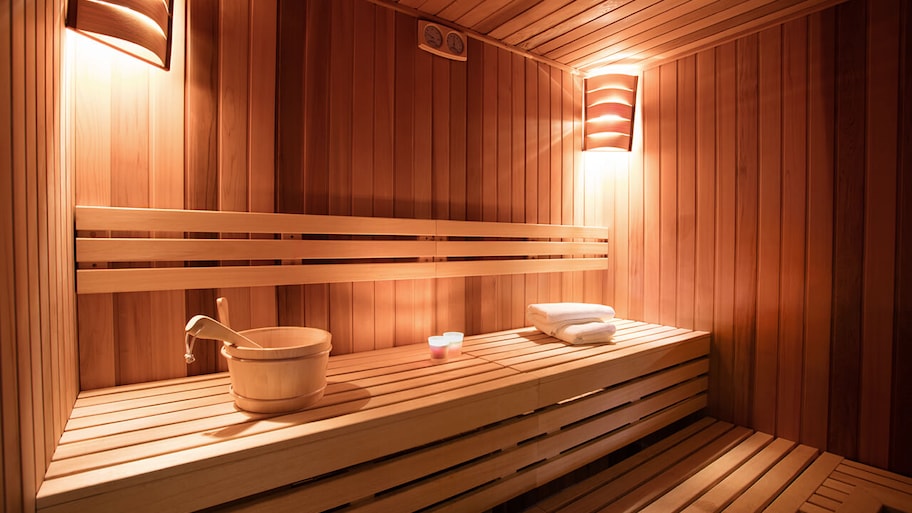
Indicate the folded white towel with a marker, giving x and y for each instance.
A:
(541, 322)
(563, 312)
(587, 333)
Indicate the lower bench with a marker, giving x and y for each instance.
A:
(394, 431)
(712, 466)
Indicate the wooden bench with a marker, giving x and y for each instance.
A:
(712, 466)
(393, 433)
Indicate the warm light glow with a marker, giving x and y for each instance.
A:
(141, 28)
(598, 163)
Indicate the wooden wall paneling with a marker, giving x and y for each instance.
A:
(475, 132)
(794, 191)
(439, 144)
(166, 190)
(531, 143)
(261, 168)
(289, 179)
(848, 221)
(341, 97)
(517, 299)
(130, 187)
(901, 415)
(635, 233)
(91, 150)
(668, 192)
(437, 311)
(427, 80)
(557, 183)
(475, 163)
(705, 135)
(652, 145)
(362, 159)
(383, 162)
(686, 193)
(579, 182)
(556, 179)
(30, 332)
(723, 295)
(880, 230)
(567, 178)
(36, 311)
(234, 66)
(46, 206)
(766, 362)
(12, 483)
(457, 139)
(532, 192)
(318, 114)
(568, 288)
(818, 281)
(201, 165)
(486, 306)
(10, 479)
(543, 154)
(505, 91)
(746, 219)
(517, 143)
(406, 103)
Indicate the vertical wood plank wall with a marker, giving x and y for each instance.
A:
(38, 359)
(789, 236)
(328, 107)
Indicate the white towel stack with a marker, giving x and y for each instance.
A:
(576, 323)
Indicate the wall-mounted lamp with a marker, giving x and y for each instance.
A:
(141, 28)
(610, 101)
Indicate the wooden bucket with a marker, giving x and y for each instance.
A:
(288, 373)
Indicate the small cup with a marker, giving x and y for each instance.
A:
(438, 345)
(454, 338)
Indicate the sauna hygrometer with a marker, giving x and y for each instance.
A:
(441, 40)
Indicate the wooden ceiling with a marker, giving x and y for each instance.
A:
(590, 34)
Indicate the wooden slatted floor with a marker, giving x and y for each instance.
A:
(119, 442)
(713, 466)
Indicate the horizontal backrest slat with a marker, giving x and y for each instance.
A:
(288, 249)
(92, 281)
(221, 221)
(157, 250)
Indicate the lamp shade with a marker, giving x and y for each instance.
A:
(141, 28)
(610, 102)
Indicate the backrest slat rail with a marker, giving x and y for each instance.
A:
(308, 249)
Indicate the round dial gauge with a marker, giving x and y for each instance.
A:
(455, 43)
(432, 36)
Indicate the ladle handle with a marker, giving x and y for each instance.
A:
(222, 304)
(202, 326)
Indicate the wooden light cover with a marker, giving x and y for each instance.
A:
(141, 28)
(610, 105)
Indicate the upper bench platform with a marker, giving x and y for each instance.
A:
(394, 432)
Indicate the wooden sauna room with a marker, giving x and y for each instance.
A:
(384, 171)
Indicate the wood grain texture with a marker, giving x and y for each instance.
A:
(819, 278)
(848, 223)
(769, 221)
(462, 405)
(746, 215)
(901, 414)
(37, 310)
(882, 106)
(787, 147)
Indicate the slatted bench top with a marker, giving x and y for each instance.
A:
(135, 445)
(713, 466)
